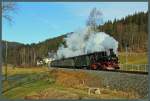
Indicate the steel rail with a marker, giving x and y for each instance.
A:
(120, 71)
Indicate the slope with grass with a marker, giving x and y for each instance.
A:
(38, 83)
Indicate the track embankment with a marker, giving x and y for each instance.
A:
(124, 81)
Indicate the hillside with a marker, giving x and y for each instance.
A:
(11, 51)
(131, 30)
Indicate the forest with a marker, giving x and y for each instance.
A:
(130, 31)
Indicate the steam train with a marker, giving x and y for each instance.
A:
(95, 61)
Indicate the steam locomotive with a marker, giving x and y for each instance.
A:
(95, 61)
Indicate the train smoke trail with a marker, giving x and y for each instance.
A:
(86, 41)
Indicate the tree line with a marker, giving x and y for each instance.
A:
(131, 31)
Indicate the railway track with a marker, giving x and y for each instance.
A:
(120, 71)
(131, 72)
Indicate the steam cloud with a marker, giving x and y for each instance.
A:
(86, 41)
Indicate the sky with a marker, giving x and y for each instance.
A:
(34, 22)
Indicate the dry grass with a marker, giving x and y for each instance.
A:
(67, 85)
(74, 79)
(71, 93)
(13, 71)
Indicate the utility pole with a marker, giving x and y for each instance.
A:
(126, 53)
(6, 62)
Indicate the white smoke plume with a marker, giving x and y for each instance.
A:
(84, 42)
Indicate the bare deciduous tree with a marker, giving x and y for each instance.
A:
(95, 19)
(7, 8)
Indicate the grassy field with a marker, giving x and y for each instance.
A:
(23, 80)
(135, 61)
(133, 58)
(39, 82)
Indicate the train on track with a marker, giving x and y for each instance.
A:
(94, 61)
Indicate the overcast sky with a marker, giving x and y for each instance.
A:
(37, 21)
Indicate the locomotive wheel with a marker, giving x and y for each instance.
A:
(100, 68)
(84, 67)
(94, 67)
(88, 67)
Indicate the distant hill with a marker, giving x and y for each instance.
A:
(11, 44)
(11, 51)
(131, 30)
(24, 54)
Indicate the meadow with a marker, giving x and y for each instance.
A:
(38, 82)
(133, 58)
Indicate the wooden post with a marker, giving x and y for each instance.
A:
(6, 62)
(126, 54)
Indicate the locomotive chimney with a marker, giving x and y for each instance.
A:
(111, 51)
